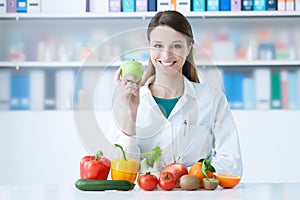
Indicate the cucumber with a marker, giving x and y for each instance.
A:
(101, 185)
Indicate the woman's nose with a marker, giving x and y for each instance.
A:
(166, 53)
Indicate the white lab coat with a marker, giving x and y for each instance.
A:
(199, 125)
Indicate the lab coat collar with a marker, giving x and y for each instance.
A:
(189, 89)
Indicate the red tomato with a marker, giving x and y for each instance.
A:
(167, 181)
(147, 181)
(178, 169)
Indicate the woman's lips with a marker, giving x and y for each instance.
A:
(167, 63)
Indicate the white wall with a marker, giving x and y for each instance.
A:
(43, 147)
(270, 145)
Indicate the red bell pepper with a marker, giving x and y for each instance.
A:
(95, 167)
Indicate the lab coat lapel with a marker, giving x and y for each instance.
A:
(189, 93)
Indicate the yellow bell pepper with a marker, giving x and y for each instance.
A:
(124, 169)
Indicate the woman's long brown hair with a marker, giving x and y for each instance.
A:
(180, 24)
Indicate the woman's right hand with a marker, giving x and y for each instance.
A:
(126, 99)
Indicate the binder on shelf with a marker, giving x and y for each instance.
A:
(292, 90)
(88, 5)
(128, 5)
(247, 5)
(173, 4)
(183, 6)
(212, 5)
(152, 5)
(259, 5)
(266, 51)
(298, 88)
(19, 92)
(284, 88)
(33, 6)
(141, 5)
(2, 6)
(198, 5)
(163, 5)
(281, 5)
(233, 85)
(275, 90)
(262, 77)
(98, 6)
(64, 89)
(77, 91)
(21, 6)
(114, 5)
(5, 89)
(11, 6)
(248, 93)
(271, 5)
(37, 90)
(50, 96)
(290, 5)
(297, 5)
(225, 5)
(235, 5)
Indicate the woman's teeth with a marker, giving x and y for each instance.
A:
(166, 63)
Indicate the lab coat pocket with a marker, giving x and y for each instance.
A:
(184, 138)
(193, 141)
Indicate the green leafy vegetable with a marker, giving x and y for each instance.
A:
(153, 157)
(206, 166)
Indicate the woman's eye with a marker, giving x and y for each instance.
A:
(176, 46)
(157, 46)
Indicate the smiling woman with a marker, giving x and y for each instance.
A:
(170, 108)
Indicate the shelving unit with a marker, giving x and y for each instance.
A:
(104, 29)
(99, 28)
(99, 64)
(265, 135)
(145, 15)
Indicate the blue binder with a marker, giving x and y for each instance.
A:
(128, 5)
(224, 5)
(21, 6)
(213, 5)
(233, 83)
(19, 94)
(198, 5)
(292, 90)
(259, 5)
(271, 5)
(152, 5)
(247, 5)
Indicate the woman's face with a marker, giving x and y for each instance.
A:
(168, 49)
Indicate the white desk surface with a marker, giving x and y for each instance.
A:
(251, 191)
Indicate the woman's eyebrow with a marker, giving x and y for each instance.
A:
(157, 41)
(176, 41)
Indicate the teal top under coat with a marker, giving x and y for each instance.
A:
(166, 105)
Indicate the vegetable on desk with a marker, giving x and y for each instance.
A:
(101, 185)
(202, 169)
(147, 181)
(150, 161)
(189, 182)
(95, 167)
(124, 169)
(167, 181)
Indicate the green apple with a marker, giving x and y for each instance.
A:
(133, 68)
